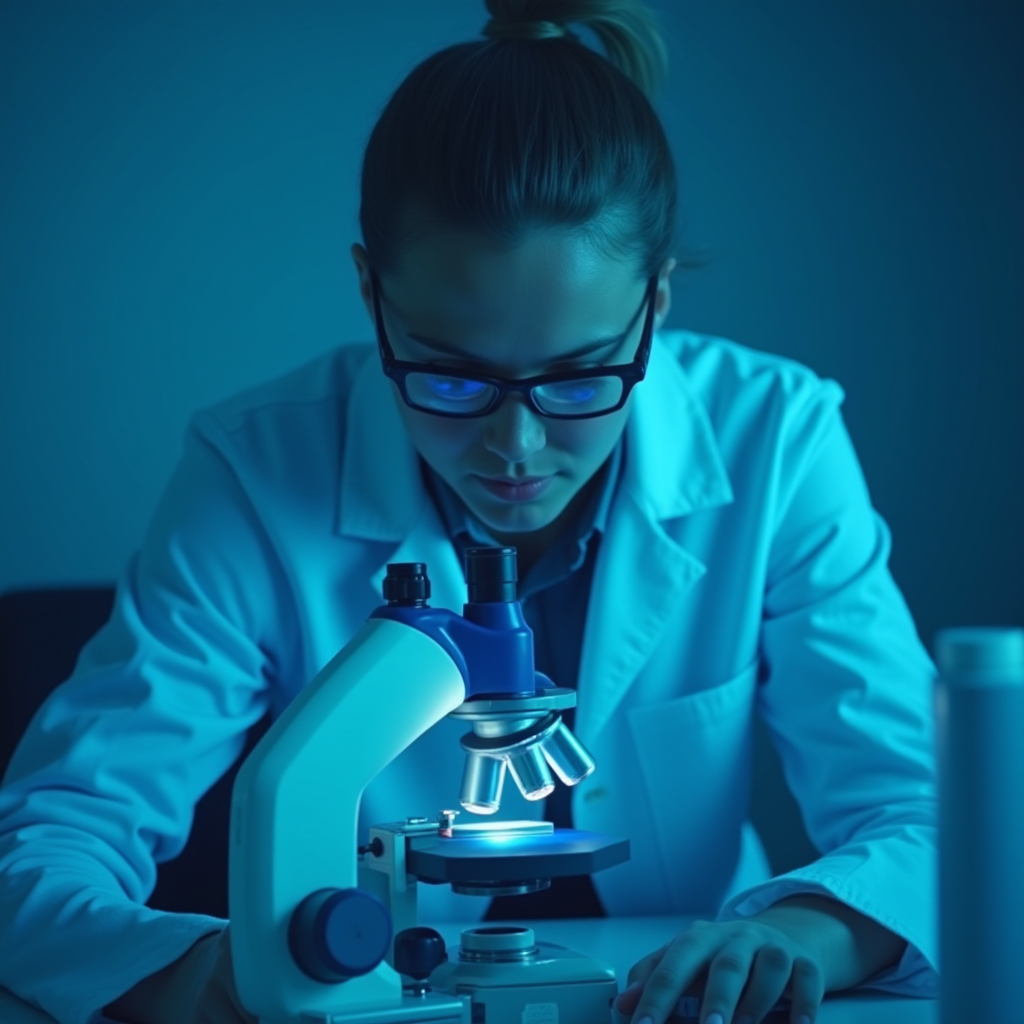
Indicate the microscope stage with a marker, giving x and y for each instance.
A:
(485, 859)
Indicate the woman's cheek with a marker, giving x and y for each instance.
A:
(437, 438)
(587, 442)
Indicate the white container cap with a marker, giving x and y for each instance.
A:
(981, 655)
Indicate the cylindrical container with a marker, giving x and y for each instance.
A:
(979, 706)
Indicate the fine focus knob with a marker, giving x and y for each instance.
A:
(418, 951)
(337, 934)
(407, 584)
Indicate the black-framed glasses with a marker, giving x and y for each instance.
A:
(567, 395)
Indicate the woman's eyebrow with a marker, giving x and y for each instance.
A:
(453, 350)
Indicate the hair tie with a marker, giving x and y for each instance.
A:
(496, 29)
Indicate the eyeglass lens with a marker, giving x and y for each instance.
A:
(437, 393)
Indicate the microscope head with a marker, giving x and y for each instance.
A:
(521, 733)
(514, 712)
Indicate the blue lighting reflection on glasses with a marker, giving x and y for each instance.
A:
(453, 389)
(460, 394)
(595, 391)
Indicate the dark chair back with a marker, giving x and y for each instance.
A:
(41, 633)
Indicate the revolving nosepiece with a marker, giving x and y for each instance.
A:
(530, 750)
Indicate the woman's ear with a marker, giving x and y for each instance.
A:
(663, 296)
(362, 262)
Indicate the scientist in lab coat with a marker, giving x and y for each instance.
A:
(696, 546)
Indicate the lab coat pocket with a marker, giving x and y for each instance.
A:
(694, 754)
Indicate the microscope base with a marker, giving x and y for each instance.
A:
(431, 1008)
(546, 1004)
(544, 984)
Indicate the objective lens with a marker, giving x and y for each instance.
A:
(567, 756)
(482, 781)
(531, 773)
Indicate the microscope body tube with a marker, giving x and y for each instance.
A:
(979, 707)
(294, 814)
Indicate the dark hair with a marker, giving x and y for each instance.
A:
(529, 128)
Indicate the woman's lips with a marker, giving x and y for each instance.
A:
(526, 491)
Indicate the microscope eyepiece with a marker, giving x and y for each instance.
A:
(407, 584)
(491, 575)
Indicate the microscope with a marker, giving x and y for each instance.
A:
(324, 931)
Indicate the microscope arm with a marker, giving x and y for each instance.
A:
(295, 807)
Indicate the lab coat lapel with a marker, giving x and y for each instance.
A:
(382, 497)
(673, 467)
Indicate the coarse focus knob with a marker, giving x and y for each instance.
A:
(407, 584)
(418, 951)
(337, 934)
(491, 575)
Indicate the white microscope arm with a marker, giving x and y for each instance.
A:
(295, 808)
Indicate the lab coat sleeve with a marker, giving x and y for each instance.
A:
(102, 786)
(846, 693)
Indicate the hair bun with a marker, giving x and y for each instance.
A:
(626, 30)
(499, 29)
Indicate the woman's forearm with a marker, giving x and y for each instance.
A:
(169, 995)
(852, 947)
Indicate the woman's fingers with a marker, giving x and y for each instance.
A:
(727, 975)
(739, 968)
(673, 973)
(769, 978)
(808, 989)
(628, 998)
(641, 970)
(638, 974)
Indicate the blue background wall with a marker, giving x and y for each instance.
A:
(178, 194)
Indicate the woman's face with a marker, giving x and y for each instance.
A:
(512, 313)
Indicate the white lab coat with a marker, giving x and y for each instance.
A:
(743, 568)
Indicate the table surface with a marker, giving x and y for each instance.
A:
(621, 941)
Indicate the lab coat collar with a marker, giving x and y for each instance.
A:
(673, 466)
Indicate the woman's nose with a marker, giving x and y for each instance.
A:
(514, 431)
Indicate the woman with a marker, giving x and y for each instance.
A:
(695, 540)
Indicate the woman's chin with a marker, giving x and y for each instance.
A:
(508, 520)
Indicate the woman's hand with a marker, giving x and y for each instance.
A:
(198, 988)
(748, 964)
(801, 947)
